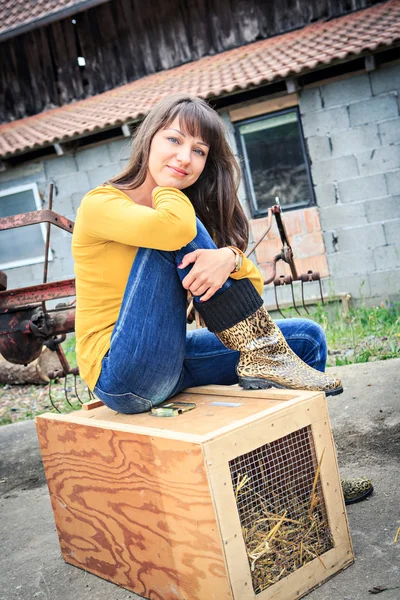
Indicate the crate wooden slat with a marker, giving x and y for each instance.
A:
(148, 503)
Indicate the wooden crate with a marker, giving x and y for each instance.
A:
(150, 503)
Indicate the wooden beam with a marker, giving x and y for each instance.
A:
(269, 105)
(292, 85)
(59, 149)
(370, 63)
(92, 404)
(125, 130)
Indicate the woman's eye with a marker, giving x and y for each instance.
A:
(174, 140)
(199, 152)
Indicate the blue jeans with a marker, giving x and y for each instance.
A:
(152, 357)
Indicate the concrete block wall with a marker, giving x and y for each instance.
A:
(352, 131)
(73, 176)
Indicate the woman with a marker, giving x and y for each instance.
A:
(140, 244)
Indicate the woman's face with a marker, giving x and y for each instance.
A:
(176, 159)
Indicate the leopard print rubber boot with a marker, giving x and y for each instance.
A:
(266, 360)
(357, 489)
(240, 321)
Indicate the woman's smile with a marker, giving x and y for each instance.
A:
(177, 171)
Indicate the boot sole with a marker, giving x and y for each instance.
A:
(257, 383)
(366, 494)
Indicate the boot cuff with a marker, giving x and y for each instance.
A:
(236, 303)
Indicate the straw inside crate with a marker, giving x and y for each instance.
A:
(281, 507)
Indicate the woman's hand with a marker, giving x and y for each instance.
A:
(210, 270)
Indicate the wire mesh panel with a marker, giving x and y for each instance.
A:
(281, 507)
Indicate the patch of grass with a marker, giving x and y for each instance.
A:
(363, 334)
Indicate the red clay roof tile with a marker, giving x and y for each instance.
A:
(14, 13)
(306, 49)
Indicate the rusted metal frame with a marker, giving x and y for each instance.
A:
(49, 324)
(63, 322)
(47, 246)
(287, 256)
(287, 251)
(288, 280)
(63, 360)
(269, 225)
(35, 218)
(61, 373)
(36, 293)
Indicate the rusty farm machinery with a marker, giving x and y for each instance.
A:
(27, 324)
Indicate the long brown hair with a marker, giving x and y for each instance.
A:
(214, 194)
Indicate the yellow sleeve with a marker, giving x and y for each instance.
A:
(250, 271)
(108, 214)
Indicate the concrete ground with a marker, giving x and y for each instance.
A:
(366, 424)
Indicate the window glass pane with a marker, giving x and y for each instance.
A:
(22, 243)
(275, 161)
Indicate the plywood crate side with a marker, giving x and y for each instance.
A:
(331, 485)
(135, 510)
(231, 532)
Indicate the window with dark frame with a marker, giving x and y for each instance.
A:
(275, 161)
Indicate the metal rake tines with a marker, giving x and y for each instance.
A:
(66, 392)
(51, 398)
(76, 389)
(282, 280)
(310, 276)
(54, 376)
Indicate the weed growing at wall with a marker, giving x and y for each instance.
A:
(363, 334)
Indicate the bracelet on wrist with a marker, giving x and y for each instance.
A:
(238, 259)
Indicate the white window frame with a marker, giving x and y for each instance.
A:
(36, 259)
